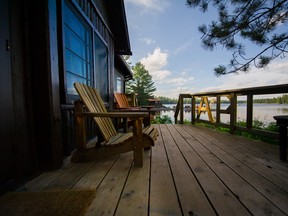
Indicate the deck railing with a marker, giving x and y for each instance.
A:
(232, 95)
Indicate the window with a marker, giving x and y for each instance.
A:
(77, 50)
(85, 54)
(118, 83)
(101, 67)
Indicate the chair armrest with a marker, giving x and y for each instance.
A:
(128, 108)
(133, 110)
(132, 115)
(148, 107)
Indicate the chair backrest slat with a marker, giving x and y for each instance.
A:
(94, 103)
(121, 100)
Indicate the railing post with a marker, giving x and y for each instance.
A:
(218, 108)
(193, 110)
(233, 112)
(282, 122)
(249, 114)
(181, 105)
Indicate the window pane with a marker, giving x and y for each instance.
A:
(75, 65)
(71, 79)
(118, 81)
(119, 84)
(74, 43)
(101, 67)
(74, 24)
(77, 49)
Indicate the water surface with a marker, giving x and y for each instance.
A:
(261, 112)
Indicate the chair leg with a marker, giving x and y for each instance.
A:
(80, 128)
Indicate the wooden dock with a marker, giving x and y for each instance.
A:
(190, 171)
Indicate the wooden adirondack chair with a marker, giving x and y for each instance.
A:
(122, 101)
(124, 105)
(114, 142)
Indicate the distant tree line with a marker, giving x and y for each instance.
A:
(276, 100)
(166, 100)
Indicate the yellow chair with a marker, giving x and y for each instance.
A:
(114, 142)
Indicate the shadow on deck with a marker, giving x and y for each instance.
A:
(190, 171)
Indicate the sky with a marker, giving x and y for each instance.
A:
(164, 37)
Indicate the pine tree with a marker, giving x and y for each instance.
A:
(259, 21)
(141, 84)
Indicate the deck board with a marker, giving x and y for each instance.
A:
(135, 195)
(163, 195)
(227, 169)
(190, 171)
(219, 195)
(109, 191)
(192, 197)
(271, 191)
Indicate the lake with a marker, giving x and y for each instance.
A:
(261, 112)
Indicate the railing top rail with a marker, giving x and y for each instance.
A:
(185, 95)
(273, 89)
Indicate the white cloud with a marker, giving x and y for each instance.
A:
(167, 83)
(155, 62)
(173, 92)
(158, 5)
(275, 73)
(179, 80)
(159, 75)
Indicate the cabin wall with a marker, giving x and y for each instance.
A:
(7, 122)
(37, 124)
(42, 43)
(30, 139)
(95, 16)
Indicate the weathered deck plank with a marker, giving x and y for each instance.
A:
(190, 171)
(260, 183)
(191, 195)
(220, 196)
(110, 190)
(135, 195)
(254, 201)
(94, 176)
(263, 169)
(70, 177)
(163, 196)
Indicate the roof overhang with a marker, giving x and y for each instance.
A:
(119, 27)
(123, 67)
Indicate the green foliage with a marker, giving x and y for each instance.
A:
(164, 119)
(258, 21)
(141, 84)
(261, 126)
(256, 124)
(272, 126)
(277, 100)
(166, 100)
(186, 121)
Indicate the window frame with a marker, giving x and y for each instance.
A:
(81, 17)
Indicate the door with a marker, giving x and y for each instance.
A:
(7, 166)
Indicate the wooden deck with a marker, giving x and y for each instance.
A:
(190, 171)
